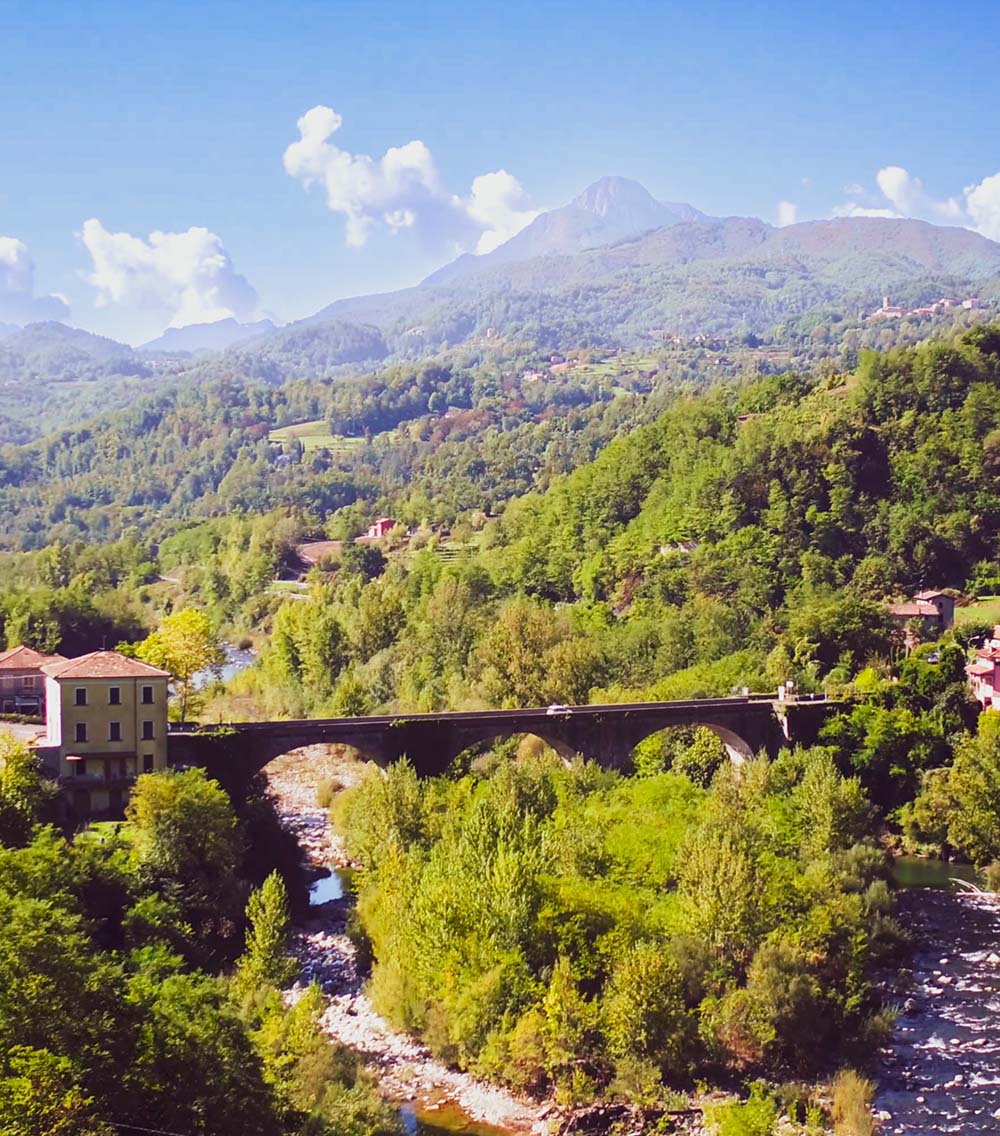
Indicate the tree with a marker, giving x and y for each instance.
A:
(974, 785)
(25, 793)
(643, 1009)
(266, 960)
(184, 644)
(186, 840)
(41, 1093)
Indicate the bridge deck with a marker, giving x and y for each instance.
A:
(539, 714)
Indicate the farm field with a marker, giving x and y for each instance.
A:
(986, 609)
(316, 435)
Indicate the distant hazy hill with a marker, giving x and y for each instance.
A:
(52, 375)
(51, 340)
(612, 209)
(206, 336)
(615, 264)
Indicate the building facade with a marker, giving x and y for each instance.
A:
(105, 723)
(22, 684)
(935, 610)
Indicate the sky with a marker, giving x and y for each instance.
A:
(173, 163)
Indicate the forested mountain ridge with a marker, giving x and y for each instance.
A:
(699, 275)
(613, 269)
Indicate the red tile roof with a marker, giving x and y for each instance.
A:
(103, 664)
(909, 609)
(26, 658)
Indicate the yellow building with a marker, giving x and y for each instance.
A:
(106, 722)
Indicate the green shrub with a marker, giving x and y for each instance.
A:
(757, 1116)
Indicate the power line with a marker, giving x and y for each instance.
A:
(137, 1128)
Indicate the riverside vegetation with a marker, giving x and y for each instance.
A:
(549, 926)
(111, 1014)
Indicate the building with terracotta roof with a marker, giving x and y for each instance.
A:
(935, 609)
(984, 673)
(22, 684)
(105, 723)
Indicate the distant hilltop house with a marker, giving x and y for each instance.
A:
(379, 528)
(935, 610)
(312, 552)
(22, 684)
(984, 673)
(105, 723)
(889, 310)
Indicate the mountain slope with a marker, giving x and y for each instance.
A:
(612, 209)
(706, 275)
(215, 336)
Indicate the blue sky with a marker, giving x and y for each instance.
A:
(163, 117)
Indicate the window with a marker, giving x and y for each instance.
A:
(147, 731)
(115, 696)
(80, 696)
(147, 763)
(114, 731)
(147, 696)
(81, 769)
(81, 732)
(29, 682)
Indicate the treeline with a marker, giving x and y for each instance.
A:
(111, 1012)
(576, 930)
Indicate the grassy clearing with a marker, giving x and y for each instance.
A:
(316, 436)
(985, 610)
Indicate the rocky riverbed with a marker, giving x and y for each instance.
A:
(942, 1069)
(405, 1069)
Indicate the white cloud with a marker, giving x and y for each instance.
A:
(983, 203)
(909, 197)
(853, 209)
(181, 278)
(18, 302)
(788, 213)
(497, 204)
(977, 208)
(403, 190)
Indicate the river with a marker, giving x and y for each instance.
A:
(237, 659)
(941, 1072)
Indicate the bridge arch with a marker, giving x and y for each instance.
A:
(565, 751)
(737, 748)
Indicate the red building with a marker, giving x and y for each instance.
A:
(984, 673)
(380, 528)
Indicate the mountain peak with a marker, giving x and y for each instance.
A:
(612, 209)
(611, 193)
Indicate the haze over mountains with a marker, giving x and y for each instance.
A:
(614, 267)
(629, 265)
(215, 336)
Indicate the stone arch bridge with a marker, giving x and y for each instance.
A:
(605, 734)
